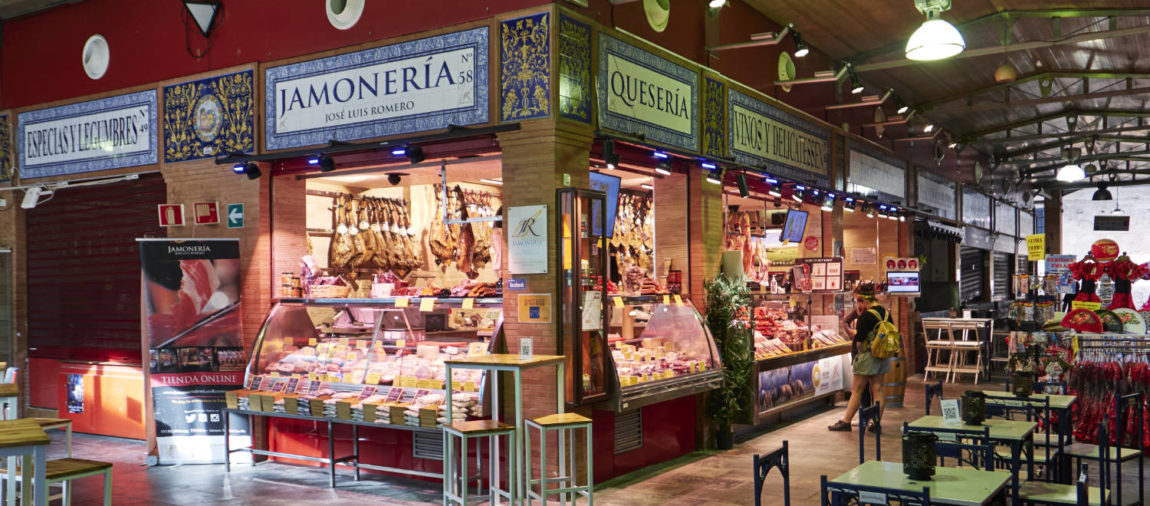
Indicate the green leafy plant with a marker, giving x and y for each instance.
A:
(732, 332)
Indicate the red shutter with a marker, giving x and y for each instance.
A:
(84, 269)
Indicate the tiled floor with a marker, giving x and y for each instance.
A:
(717, 478)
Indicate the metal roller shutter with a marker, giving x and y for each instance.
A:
(1002, 285)
(973, 265)
(84, 269)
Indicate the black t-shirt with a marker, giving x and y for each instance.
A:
(867, 322)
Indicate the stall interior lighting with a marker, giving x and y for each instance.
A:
(250, 169)
(769, 180)
(708, 165)
(239, 168)
(491, 181)
(660, 155)
(664, 168)
(849, 204)
(928, 128)
(313, 160)
(610, 157)
(400, 151)
(647, 186)
(774, 191)
(829, 204)
(856, 85)
(801, 48)
(713, 177)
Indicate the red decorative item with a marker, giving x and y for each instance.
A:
(1104, 250)
(1088, 270)
(1082, 320)
(1123, 271)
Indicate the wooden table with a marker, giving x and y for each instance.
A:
(515, 364)
(1009, 432)
(25, 439)
(57, 423)
(950, 485)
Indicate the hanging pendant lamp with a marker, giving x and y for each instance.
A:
(936, 39)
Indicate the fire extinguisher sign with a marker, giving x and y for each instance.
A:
(171, 215)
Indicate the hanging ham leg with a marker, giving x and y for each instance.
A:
(440, 239)
(466, 249)
(364, 224)
(359, 249)
(341, 243)
(381, 243)
(412, 251)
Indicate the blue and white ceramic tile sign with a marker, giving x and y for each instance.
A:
(643, 93)
(103, 134)
(415, 86)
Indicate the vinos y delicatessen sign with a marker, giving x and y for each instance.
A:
(765, 136)
(415, 86)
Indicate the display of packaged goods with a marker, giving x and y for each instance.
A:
(658, 341)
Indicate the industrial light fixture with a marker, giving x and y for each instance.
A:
(610, 157)
(935, 39)
(1070, 172)
(902, 107)
(326, 164)
(849, 204)
(856, 85)
(314, 160)
(801, 48)
(399, 151)
(774, 190)
(31, 197)
(798, 193)
(707, 165)
(663, 168)
(1117, 210)
(717, 4)
(415, 154)
(250, 169)
(491, 181)
(1102, 193)
(646, 186)
(660, 155)
(928, 128)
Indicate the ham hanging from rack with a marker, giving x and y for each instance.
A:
(466, 247)
(364, 224)
(359, 249)
(479, 207)
(383, 244)
(394, 221)
(412, 251)
(341, 243)
(440, 238)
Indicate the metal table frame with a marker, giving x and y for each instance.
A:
(1017, 445)
(1065, 426)
(331, 460)
(515, 365)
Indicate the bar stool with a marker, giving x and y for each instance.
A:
(565, 424)
(455, 464)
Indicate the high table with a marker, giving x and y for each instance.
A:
(1009, 432)
(957, 486)
(24, 438)
(1060, 405)
(514, 364)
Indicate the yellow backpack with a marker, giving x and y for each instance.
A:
(885, 340)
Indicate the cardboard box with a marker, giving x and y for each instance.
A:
(316, 406)
(233, 397)
(427, 416)
(396, 412)
(343, 409)
(371, 411)
(292, 405)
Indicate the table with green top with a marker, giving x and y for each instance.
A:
(1060, 407)
(1008, 432)
(959, 486)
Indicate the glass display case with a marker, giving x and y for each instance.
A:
(660, 349)
(800, 348)
(334, 346)
(581, 225)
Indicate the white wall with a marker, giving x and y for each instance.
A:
(1078, 212)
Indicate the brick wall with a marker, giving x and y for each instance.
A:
(671, 234)
(705, 206)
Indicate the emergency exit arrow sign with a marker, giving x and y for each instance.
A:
(235, 216)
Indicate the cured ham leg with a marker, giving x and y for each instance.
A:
(466, 247)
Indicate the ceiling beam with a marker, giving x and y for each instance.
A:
(1061, 143)
(1039, 101)
(1128, 156)
(1054, 184)
(1047, 117)
(1053, 74)
(1059, 135)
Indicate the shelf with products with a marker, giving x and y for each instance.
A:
(787, 324)
(660, 350)
(382, 352)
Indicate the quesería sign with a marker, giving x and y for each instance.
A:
(108, 133)
(765, 136)
(415, 86)
(640, 92)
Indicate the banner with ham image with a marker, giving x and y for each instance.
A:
(191, 299)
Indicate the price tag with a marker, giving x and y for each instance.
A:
(678, 300)
(343, 342)
(468, 303)
(347, 379)
(361, 344)
(313, 388)
(666, 299)
(618, 301)
(366, 392)
(1093, 306)
(256, 381)
(311, 341)
(702, 366)
(322, 357)
(292, 384)
(302, 386)
(377, 346)
(950, 412)
(372, 378)
(425, 383)
(402, 302)
(866, 497)
(426, 305)
(278, 387)
(313, 377)
(469, 386)
(418, 394)
(395, 394)
(476, 349)
(400, 343)
(275, 374)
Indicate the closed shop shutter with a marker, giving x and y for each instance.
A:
(1002, 271)
(84, 269)
(973, 265)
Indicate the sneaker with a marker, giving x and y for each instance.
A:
(840, 426)
(874, 428)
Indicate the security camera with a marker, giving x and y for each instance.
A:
(31, 197)
(393, 179)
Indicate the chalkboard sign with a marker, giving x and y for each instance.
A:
(1112, 223)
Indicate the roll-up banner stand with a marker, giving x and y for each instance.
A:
(193, 346)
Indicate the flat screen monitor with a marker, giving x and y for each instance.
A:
(609, 185)
(902, 282)
(795, 226)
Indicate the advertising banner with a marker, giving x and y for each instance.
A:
(415, 86)
(527, 245)
(191, 298)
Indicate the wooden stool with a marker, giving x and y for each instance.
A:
(565, 424)
(63, 471)
(455, 479)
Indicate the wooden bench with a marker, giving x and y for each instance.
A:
(63, 471)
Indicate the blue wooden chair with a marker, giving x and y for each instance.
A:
(1076, 493)
(836, 494)
(973, 451)
(1032, 409)
(1050, 387)
(1127, 405)
(933, 391)
(867, 416)
(781, 459)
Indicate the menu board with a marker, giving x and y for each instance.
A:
(819, 275)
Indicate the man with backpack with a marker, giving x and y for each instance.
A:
(874, 345)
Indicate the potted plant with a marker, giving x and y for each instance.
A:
(732, 336)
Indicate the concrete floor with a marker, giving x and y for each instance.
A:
(718, 478)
